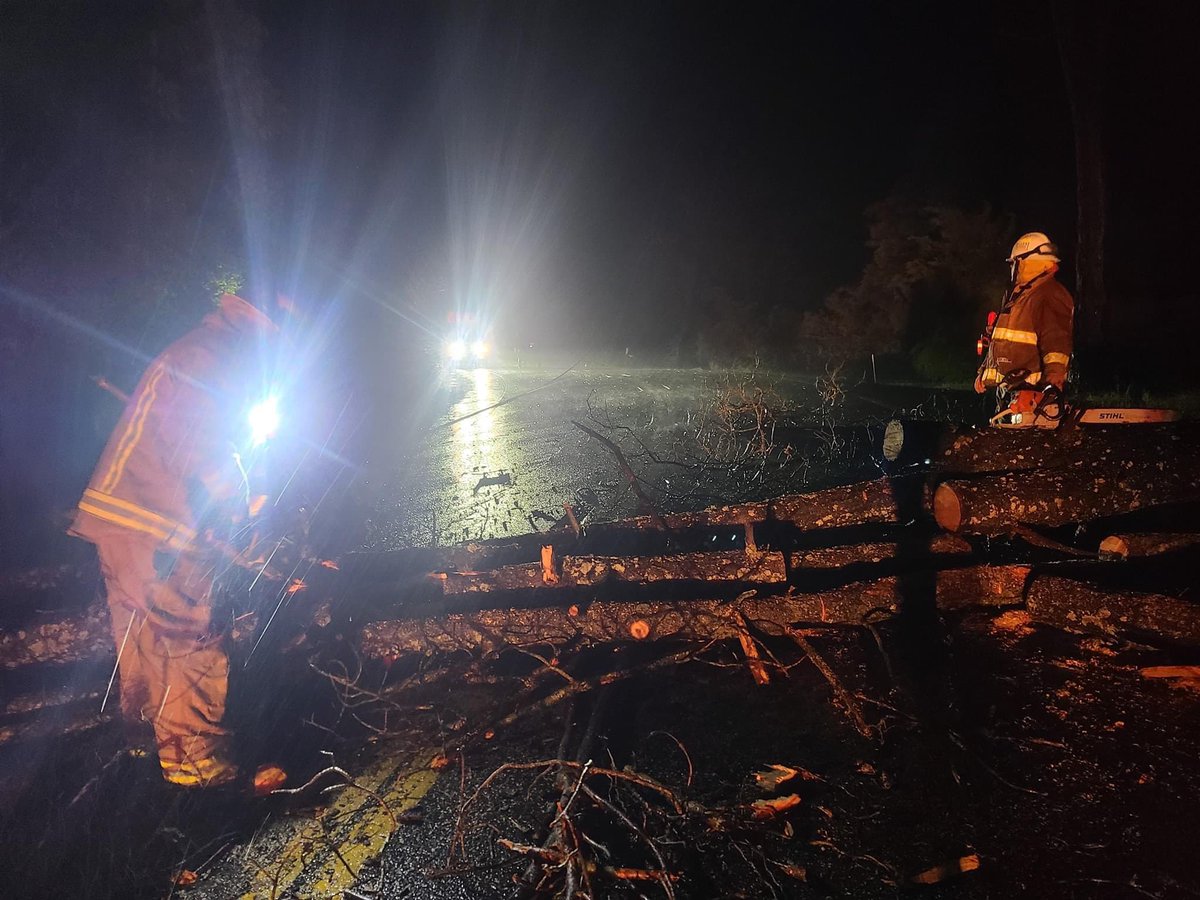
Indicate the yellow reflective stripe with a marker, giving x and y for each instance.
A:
(108, 515)
(1051, 359)
(995, 376)
(200, 771)
(1014, 336)
(133, 432)
(181, 779)
(149, 516)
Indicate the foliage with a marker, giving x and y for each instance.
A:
(738, 423)
(933, 272)
(224, 281)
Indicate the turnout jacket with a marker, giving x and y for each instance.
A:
(172, 452)
(1032, 332)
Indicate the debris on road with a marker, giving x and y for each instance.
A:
(938, 874)
(501, 479)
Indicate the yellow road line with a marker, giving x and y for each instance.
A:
(328, 852)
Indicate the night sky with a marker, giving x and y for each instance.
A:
(592, 173)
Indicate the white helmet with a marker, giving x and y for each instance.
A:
(1033, 244)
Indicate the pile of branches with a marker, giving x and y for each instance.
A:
(609, 827)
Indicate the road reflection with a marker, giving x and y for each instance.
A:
(477, 448)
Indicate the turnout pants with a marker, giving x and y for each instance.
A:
(173, 674)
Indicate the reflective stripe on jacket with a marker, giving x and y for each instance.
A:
(1033, 332)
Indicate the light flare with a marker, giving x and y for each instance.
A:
(264, 419)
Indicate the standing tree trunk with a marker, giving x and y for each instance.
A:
(1082, 28)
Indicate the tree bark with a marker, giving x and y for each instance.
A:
(945, 547)
(489, 631)
(1085, 609)
(60, 638)
(863, 503)
(868, 502)
(1128, 546)
(585, 571)
(1057, 497)
(1000, 450)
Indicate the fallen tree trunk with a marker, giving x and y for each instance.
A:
(584, 571)
(67, 637)
(870, 502)
(1130, 546)
(1085, 609)
(999, 450)
(751, 567)
(1057, 497)
(489, 631)
(940, 546)
(866, 502)
(73, 637)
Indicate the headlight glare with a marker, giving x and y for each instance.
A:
(264, 421)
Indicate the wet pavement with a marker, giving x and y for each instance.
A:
(1014, 761)
(489, 453)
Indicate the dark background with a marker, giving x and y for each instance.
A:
(680, 182)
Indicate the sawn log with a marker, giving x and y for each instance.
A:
(74, 636)
(1000, 450)
(1132, 546)
(584, 571)
(1059, 496)
(760, 567)
(489, 631)
(864, 503)
(1082, 608)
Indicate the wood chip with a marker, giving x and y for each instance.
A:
(769, 809)
(773, 776)
(949, 870)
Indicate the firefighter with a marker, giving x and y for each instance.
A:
(1029, 346)
(170, 469)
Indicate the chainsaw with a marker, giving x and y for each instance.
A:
(1042, 406)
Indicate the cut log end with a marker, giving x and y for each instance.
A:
(1114, 547)
(947, 509)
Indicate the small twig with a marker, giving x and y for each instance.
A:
(1040, 540)
(627, 471)
(349, 782)
(843, 696)
(958, 741)
(549, 664)
(664, 879)
(506, 400)
(580, 687)
(682, 749)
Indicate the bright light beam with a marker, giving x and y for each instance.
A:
(264, 421)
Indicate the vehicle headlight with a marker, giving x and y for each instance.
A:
(479, 349)
(455, 350)
(264, 421)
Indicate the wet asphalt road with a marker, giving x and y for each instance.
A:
(455, 469)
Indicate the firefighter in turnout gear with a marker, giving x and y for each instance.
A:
(1028, 347)
(169, 469)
